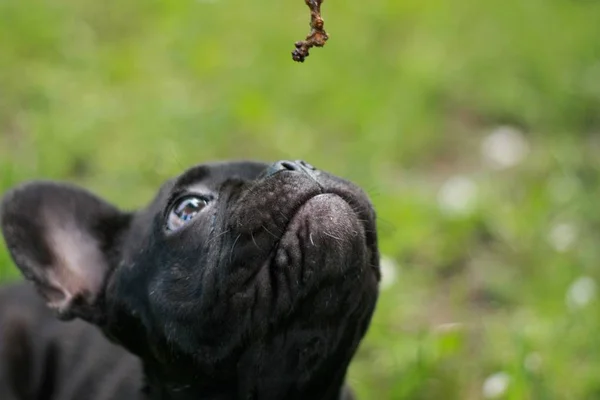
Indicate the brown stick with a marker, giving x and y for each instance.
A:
(317, 36)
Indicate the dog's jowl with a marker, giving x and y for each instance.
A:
(240, 280)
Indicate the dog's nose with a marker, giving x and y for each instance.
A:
(282, 165)
(285, 165)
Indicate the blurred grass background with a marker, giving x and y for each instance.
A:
(474, 126)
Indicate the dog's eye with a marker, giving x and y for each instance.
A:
(184, 211)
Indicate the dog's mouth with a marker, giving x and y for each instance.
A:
(327, 238)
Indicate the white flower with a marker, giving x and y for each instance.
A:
(581, 292)
(389, 272)
(562, 236)
(495, 385)
(504, 147)
(458, 196)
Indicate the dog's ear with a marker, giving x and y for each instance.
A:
(65, 240)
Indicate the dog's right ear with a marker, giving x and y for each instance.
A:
(65, 240)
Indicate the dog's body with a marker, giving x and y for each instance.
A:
(44, 358)
(240, 280)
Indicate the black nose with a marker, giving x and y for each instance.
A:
(285, 165)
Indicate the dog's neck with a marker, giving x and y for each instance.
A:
(171, 385)
(193, 392)
(161, 390)
(162, 387)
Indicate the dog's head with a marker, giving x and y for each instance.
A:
(268, 268)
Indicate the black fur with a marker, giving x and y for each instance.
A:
(265, 294)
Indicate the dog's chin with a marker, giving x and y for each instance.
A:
(325, 238)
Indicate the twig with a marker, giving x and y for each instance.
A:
(317, 36)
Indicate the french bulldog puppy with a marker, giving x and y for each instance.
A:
(240, 280)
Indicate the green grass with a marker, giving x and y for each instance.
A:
(119, 95)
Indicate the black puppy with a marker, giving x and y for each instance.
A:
(240, 280)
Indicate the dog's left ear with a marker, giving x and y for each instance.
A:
(65, 240)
